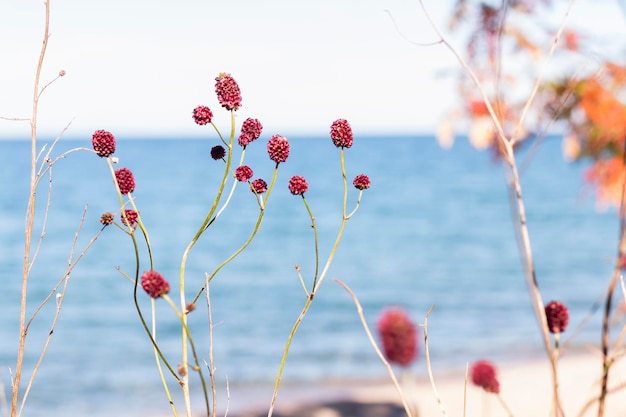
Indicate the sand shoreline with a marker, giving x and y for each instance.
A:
(526, 387)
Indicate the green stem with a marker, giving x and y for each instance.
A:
(314, 226)
(257, 227)
(183, 304)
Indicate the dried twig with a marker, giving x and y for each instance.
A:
(395, 381)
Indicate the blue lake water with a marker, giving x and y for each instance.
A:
(435, 228)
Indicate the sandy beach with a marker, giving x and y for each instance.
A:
(525, 388)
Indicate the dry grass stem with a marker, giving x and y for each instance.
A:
(392, 375)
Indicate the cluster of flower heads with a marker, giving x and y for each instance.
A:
(103, 143)
(398, 335)
(483, 374)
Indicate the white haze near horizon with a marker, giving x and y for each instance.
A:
(138, 68)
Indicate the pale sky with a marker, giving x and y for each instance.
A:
(138, 67)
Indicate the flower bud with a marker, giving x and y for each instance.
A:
(202, 115)
(341, 133)
(483, 374)
(557, 316)
(125, 180)
(103, 143)
(398, 335)
(298, 185)
(228, 93)
(154, 284)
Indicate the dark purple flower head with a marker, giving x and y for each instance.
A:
(202, 115)
(258, 186)
(483, 374)
(557, 316)
(227, 91)
(243, 173)
(218, 152)
(250, 131)
(398, 335)
(361, 182)
(154, 284)
(341, 133)
(278, 148)
(103, 143)
(131, 217)
(125, 180)
(298, 185)
(107, 218)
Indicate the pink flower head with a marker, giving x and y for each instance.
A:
(154, 284)
(250, 131)
(361, 182)
(227, 91)
(298, 185)
(398, 335)
(341, 133)
(258, 186)
(131, 217)
(278, 148)
(243, 173)
(103, 143)
(218, 152)
(557, 316)
(125, 180)
(483, 374)
(202, 115)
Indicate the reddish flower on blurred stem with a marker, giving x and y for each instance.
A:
(202, 115)
(250, 131)
(258, 186)
(218, 152)
(228, 93)
(298, 185)
(341, 133)
(103, 143)
(278, 148)
(557, 316)
(154, 284)
(483, 374)
(398, 335)
(125, 180)
(243, 173)
(131, 217)
(361, 182)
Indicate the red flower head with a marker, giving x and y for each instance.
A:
(398, 335)
(154, 284)
(341, 133)
(103, 143)
(131, 217)
(250, 131)
(258, 186)
(361, 182)
(243, 173)
(298, 185)
(227, 91)
(557, 315)
(202, 115)
(278, 148)
(125, 180)
(218, 152)
(483, 374)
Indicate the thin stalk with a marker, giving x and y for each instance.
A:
(30, 218)
(158, 361)
(385, 362)
(317, 251)
(201, 230)
(315, 287)
(257, 227)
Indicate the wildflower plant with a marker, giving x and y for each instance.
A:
(158, 287)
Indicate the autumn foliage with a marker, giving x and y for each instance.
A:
(536, 86)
